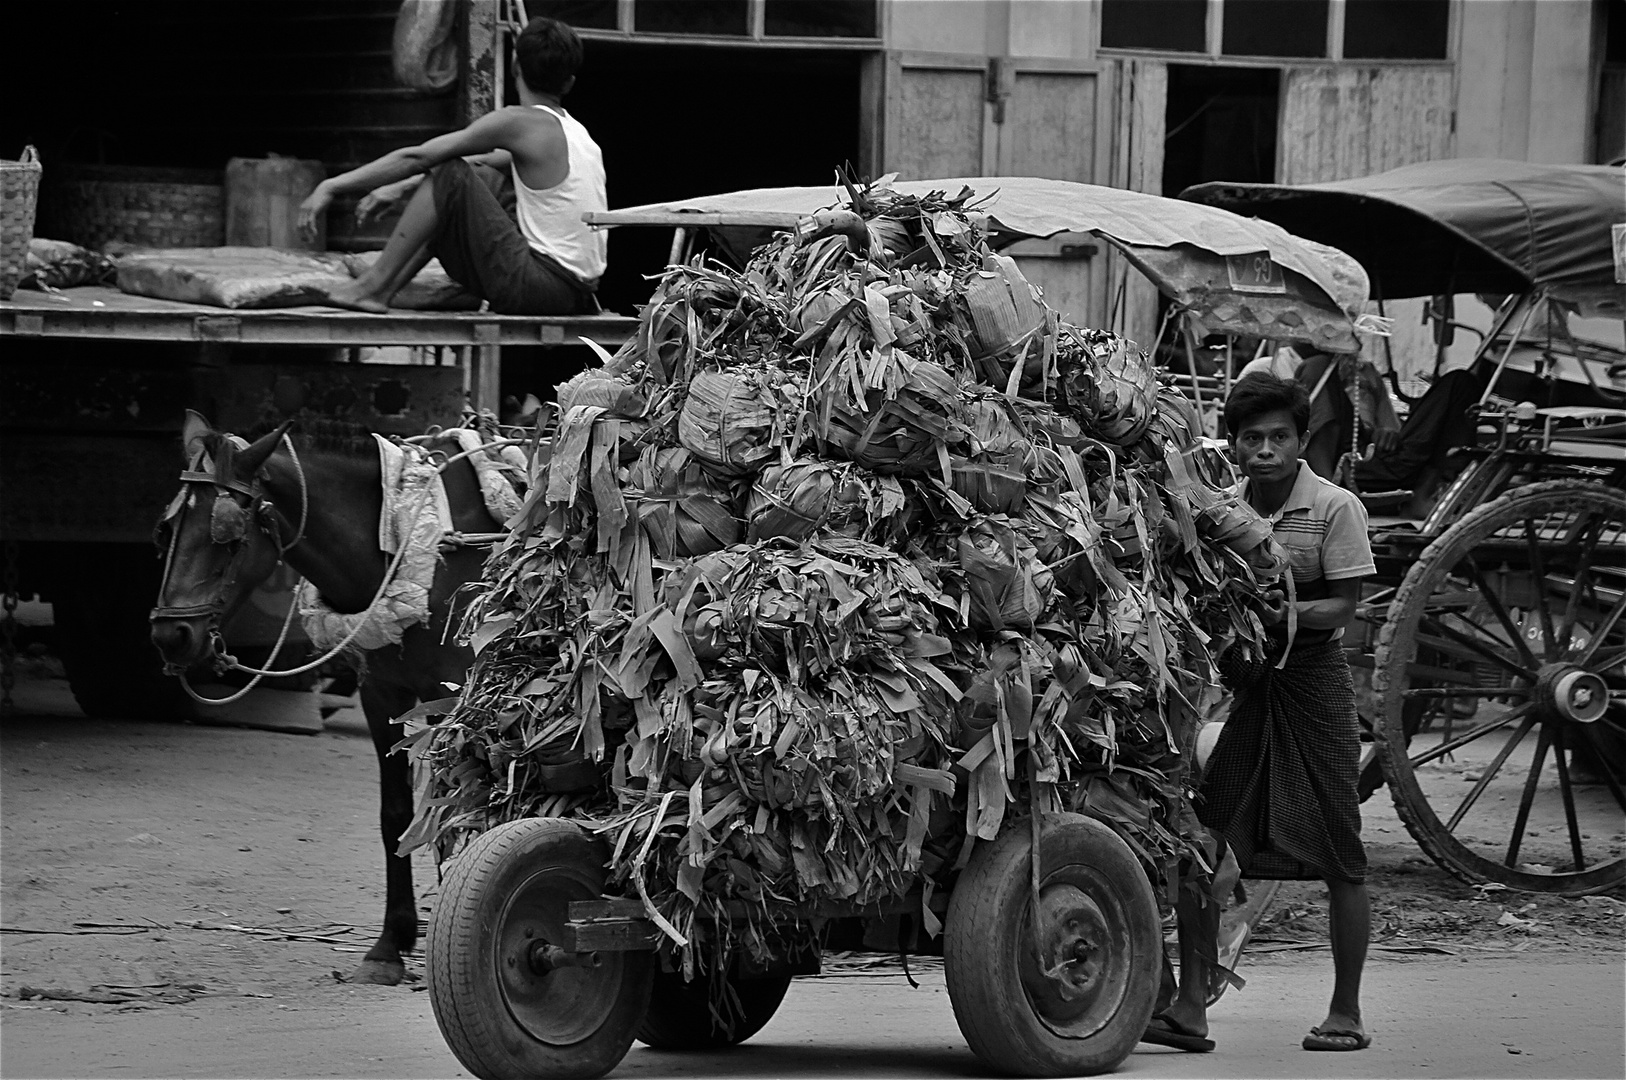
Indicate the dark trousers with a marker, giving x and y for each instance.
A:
(479, 244)
(1438, 424)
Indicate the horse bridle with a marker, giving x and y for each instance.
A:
(228, 524)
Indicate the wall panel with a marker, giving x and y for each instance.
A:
(1342, 122)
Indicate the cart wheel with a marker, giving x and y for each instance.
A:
(507, 1007)
(1079, 1002)
(679, 1016)
(1517, 609)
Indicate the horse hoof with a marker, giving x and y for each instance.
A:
(379, 972)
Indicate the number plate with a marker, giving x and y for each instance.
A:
(1255, 273)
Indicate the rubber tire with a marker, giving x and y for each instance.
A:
(988, 922)
(104, 638)
(462, 963)
(679, 1015)
(1397, 644)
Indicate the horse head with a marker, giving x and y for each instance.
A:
(219, 537)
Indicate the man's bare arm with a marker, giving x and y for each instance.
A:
(1333, 613)
(484, 136)
(484, 139)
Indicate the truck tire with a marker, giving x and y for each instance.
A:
(1080, 1009)
(679, 1016)
(103, 636)
(503, 1014)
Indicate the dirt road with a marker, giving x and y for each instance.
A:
(207, 882)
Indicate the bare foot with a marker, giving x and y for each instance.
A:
(347, 296)
(379, 972)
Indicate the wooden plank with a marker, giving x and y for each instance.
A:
(1341, 122)
(1139, 112)
(1049, 129)
(609, 924)
(480, 49)
(775, 219)
(939, 123)
(617, 907)
(485, 392)
(609, 935)
(107, 313)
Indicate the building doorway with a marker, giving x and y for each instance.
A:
(1220, 125)
(677, 121)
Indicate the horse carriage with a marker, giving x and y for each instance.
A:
(1497, 615)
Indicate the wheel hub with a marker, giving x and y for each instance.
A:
(1571, 692)
(1063, 966)
(559, 997)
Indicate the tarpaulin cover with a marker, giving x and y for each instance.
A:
(1026, 206)
(1468, 225)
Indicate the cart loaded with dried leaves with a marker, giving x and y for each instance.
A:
(853, 582)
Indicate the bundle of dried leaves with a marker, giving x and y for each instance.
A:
(986, 569)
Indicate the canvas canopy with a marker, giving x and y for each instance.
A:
(1183, 247)
(1464, 226)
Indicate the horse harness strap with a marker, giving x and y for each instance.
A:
(231, 483)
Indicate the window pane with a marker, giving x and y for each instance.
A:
(1180, 25)
(582, 14)
(1275, 28)
(1396, 29)
(819, 18)
(725, 17)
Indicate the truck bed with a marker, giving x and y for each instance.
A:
(101, 312)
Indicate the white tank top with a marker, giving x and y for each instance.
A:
(551, 218)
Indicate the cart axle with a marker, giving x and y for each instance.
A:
(544, 958)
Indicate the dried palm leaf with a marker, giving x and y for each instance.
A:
(1007, 584)
(732, 420)
(614, 394)
(684, 510)
(903, 426)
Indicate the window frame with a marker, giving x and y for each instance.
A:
(756, 35)
(1336, 11)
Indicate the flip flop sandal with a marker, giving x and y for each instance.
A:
(1164, 1032)
(1223, 974)
(1320, 1039)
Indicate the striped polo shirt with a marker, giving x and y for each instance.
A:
(1323, 528)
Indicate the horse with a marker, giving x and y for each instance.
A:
(314, 502)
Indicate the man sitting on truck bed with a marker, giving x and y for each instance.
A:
(499, 203)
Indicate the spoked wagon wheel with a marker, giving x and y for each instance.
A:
(1517, 608)
(1075, 997)
(508, 1000)
(680, 1017)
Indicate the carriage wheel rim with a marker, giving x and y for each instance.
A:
(1075, 972)
(561, 1005)
(1558, 683)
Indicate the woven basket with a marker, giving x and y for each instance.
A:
(96, 205)
(19, 189)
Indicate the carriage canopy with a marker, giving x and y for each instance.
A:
(1195, 254)
(1463, 226)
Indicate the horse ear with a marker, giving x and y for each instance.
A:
(192, 435)
(249, 461)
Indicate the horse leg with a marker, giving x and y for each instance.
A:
(383, 702)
